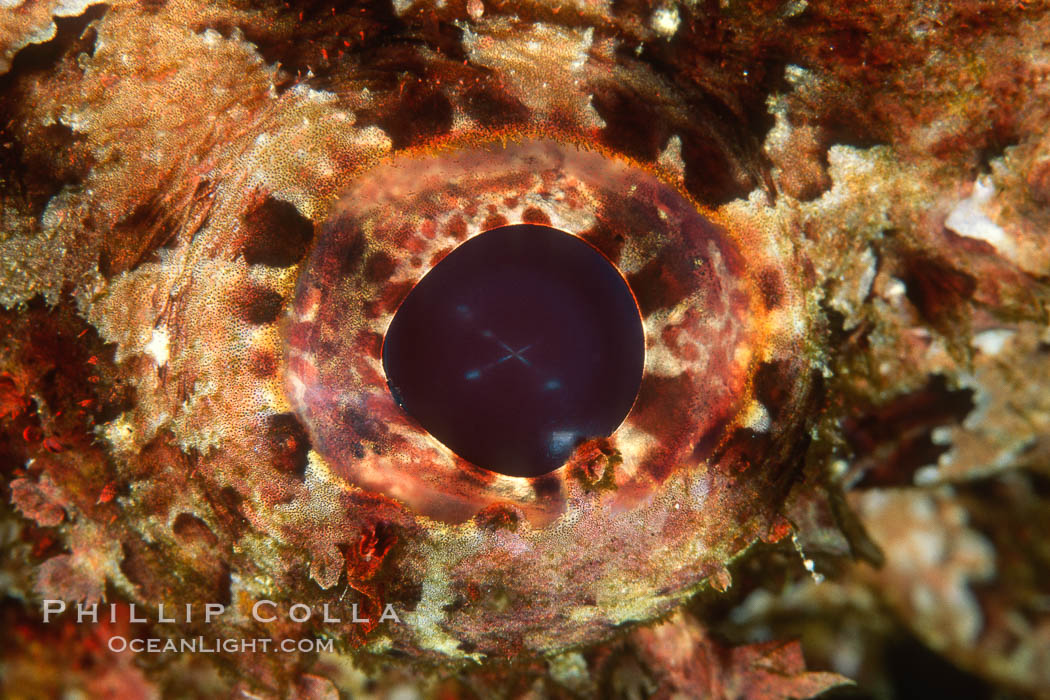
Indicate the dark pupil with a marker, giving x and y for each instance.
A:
(518, 346)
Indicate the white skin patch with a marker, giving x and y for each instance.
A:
(968, 219)
(757, 417)
(159, 346)
(664, 21)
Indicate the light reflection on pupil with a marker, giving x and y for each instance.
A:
(518, 346)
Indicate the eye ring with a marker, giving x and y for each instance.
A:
(706, 321)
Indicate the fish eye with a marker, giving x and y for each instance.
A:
(452, 345)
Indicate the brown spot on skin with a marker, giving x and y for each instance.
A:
(490, 105)
(548, 487)
(289, 442)
(936, 288)
(379, 267)
(133, 238)
(364, 426)
(148, 566)
(633, 126)
(391, 298)
(708, 172)
(494, 221)
(191, 529)
(277, 234)
(533, 215)
(711, 438)
(895, 439)
(661, 397)
(659, 285)
(257, 305)
(456, 228)
(609, 240)
(771, 287)
(262, 363)
(227, 505)
(498, 516)
(425, 112)
(772, 387)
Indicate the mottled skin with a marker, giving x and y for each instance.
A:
(210, 214)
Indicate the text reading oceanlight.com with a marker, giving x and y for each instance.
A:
(263, 611)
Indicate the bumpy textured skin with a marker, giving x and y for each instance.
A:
(834, 221)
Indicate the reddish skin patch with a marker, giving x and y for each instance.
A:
(12, 401)
(771, 288)
(498, 516)
(371, 343)
(299, 335)
(389, 299)
(440, 255)
(659, 399)
(262, 363)
(937, 288)
(456, 228)
(289, 443)
(379, 267)
(473, 474)
(257, 305)
(532, 215)
(303, 368)
(364, 558)
(191, 529)
(69, 372)
(778, 531)
(607, 239)
(677, 340)
(659, 286)
(494, 221)
(108, 492)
